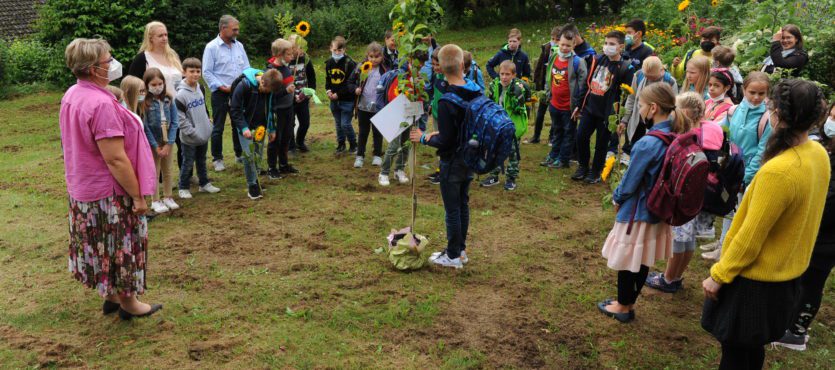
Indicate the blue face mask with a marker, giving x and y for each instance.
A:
(553, 44)
(629, 40)
(565, 55)
(337, 57)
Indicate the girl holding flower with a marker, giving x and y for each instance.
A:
(364, 81)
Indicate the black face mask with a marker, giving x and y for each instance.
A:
(646, 122)
(707, 46)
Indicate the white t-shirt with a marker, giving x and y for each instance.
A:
(173, 76)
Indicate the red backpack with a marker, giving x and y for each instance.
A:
(678, 194)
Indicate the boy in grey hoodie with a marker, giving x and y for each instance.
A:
(195, 128)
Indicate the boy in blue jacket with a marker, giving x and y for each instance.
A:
(511, 51)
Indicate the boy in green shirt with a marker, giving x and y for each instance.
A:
(511, 93)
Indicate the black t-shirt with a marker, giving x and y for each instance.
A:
(604, 85)
(638, 55)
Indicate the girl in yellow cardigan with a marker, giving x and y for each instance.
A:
(752, 290)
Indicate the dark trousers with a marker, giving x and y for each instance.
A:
(588, 125)
(193, 155)
(564, 134)
(366, 127)
(220, 109)
(742, 358)
(455, 192)
(302, 112)
(630, 285)
(541, 109)
(284, 131)
(812, 283)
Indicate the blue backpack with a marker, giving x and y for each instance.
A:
(386, 80)
(486, 135)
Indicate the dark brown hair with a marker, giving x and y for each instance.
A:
(192, 63)
(798, 105)
(150, 75)
(711, 32)
(795, 31)
(272, 80)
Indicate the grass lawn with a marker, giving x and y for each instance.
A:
(292, 281)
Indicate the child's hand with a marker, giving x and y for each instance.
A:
(164, 151)
(676, 61)
(576, 114)
(621, 128)
(247, 134)
(159, 151)
(358, 91)
(272, 137)
(291, 89)
(415, 135)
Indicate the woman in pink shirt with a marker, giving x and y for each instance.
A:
(109, 169)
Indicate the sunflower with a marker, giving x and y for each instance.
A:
(303, 28)
(682, 6)
(714, 3)
(366, 67)
(627, 88)
(259, 133)
(400, 28)
(607, 169)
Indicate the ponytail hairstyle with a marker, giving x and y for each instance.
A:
(662, 96)
(702, 66)
(693, 106)
(798, 105)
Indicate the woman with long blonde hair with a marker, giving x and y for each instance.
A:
(155, 52)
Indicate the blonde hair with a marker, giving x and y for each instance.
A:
(170, 55)
(652, 64)
(662, 96)
(280, 46)
(130, 92)
(693, 106)
(451, 58)
(81, 54)
(702, 65)
(117, 92)
(515, 33)
(507, 64)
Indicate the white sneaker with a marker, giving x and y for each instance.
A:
(463, 256)
(706, 235)
(401, 176)
(219, 165)
(359, 162)
(184, 194)
(384, 180)
(713, 255)
(444, 261)
(610, 154)
(710, 246)
(209, 188)
(377, 161)
(625, 159)
(159, 207)
(170, 203)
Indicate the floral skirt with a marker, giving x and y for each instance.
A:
(108, 245)
(646, 244)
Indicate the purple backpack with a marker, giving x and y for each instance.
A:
(678, 194)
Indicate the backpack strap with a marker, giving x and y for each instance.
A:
(588, 82)
(688, 56)
(639, 77)
(455, 99)
(761, 126)
(666, 138)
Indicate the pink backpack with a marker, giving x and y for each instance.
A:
(678, 194)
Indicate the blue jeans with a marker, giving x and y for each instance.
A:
(343, 113)
(588, 125)
(250, 167)
(455, 192)
(565, 134)
(192, 155)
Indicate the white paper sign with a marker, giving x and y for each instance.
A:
(396, 117)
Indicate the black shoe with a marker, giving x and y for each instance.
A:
(263, 173)
(435, 178)
(125, 315)
(340, 148)
(580, 174)
(625, 317)
(547, 162)
(274, 174)
(592, 179)
(303, 148)
(353, 148)
(510, 184)
(254, 192)
(490, 181)
(288, 169)
(109, 307)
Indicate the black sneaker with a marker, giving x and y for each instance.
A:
(592, 179)
(510, 185)
(340, 148)
(353, 148)
(557, 164)
(254, 192)
(580, 174)
(288, 169)
(490, 181)
(793, 341)
(274, 174)
(435, 178)
(303, 148)
(547, 162)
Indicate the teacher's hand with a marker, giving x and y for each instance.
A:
(778, 36)
(711, 288)
(140, 207)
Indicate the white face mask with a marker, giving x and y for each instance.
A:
(829, 128)
(141, 98)
(114, 72)
(156, 90)
(336, 56)
(565, 55)
(610, 50)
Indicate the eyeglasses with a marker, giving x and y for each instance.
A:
(108, 61)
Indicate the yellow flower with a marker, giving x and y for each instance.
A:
(682, 6)
(714, 3)
(607, 169)
(259, 133)
(400, 28)
(627, 88)
(366, 67)
(303, 28)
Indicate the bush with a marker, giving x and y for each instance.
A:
(191, 24)
(27, 61)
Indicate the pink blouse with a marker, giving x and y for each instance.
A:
(90, 113)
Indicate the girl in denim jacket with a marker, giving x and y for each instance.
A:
(160, 119)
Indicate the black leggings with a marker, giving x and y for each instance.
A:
(630, 284)
(284, 131)
(812, 283)
(742, 358)
(302, 112)
(364, 119)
